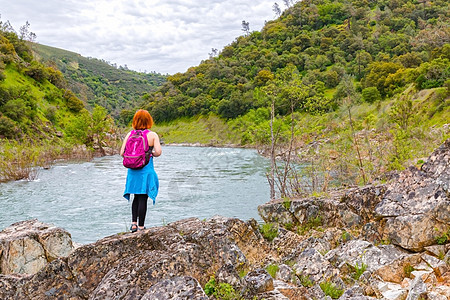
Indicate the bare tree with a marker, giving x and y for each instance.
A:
(246, 27)
(213, 52)
(288, 3)
(276, 8)
(25, 34)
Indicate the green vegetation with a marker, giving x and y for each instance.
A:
(358, 89)
(272, 270)
(330, 289)
(223, 291)
(305, 281)
(37, 110)
(269, 231)
(444, 238)
(207, 130)
(359, 270)
(312, 223)
(287, 203)
(97, 82)
(407, 270)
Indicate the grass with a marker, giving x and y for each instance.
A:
(208, 130)
(407, 270)
(313, 223)
(272, 270)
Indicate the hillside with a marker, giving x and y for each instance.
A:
(307, 52)
(98, 82)
(359, 88)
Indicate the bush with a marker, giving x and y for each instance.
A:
(371, 94)
(8, 128)
(269, 231)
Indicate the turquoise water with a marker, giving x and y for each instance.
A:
(86, 198)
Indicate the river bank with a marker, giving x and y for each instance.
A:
(388, 241)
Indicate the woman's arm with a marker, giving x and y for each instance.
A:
(153, 138)
(122, 149)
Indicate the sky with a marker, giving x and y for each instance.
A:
(154, 35)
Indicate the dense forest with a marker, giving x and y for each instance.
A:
(306, 53)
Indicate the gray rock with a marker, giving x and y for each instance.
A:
(417, 290)
(257, 282)
(312, 264)
(176, 288)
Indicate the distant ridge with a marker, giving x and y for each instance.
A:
(96, 81)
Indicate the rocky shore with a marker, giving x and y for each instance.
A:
(387, 241)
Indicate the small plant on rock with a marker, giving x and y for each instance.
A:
(407, 270)
(269, 231)
(444, 238)
(330, 289)
(287, 203)
(272, 270)
(359, 270)
(305, 281)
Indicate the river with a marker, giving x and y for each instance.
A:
(85, 198)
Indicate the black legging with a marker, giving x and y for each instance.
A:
(139, 208)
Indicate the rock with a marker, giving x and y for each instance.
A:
(416, 206)
(176, 288)
(257, 282)
(154, 261)
(285, 273)
(26, 247)
(313, 265)
(392, 291)
(228, 274)
(418, 290)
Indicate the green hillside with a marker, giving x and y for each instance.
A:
(40, 118)
(359, 87)
(383, 45)
(97, 82)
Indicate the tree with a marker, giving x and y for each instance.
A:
(25, 34)
(246, 27)
(213, 52)
(276, 9)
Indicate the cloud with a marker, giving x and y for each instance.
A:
(163, 36)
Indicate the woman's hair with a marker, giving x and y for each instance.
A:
(142, 120)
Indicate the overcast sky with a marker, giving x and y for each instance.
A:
(154, 35)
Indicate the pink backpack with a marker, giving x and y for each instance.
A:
(137, 151)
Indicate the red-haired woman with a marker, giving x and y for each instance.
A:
(143, 183)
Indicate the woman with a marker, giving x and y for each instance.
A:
(143, 183)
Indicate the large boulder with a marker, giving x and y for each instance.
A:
(171, 260)
(27, 247)
(415, 208)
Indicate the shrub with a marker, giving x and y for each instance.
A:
(222, 291)
(371, 94)
(8, 128)
(269, 231)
